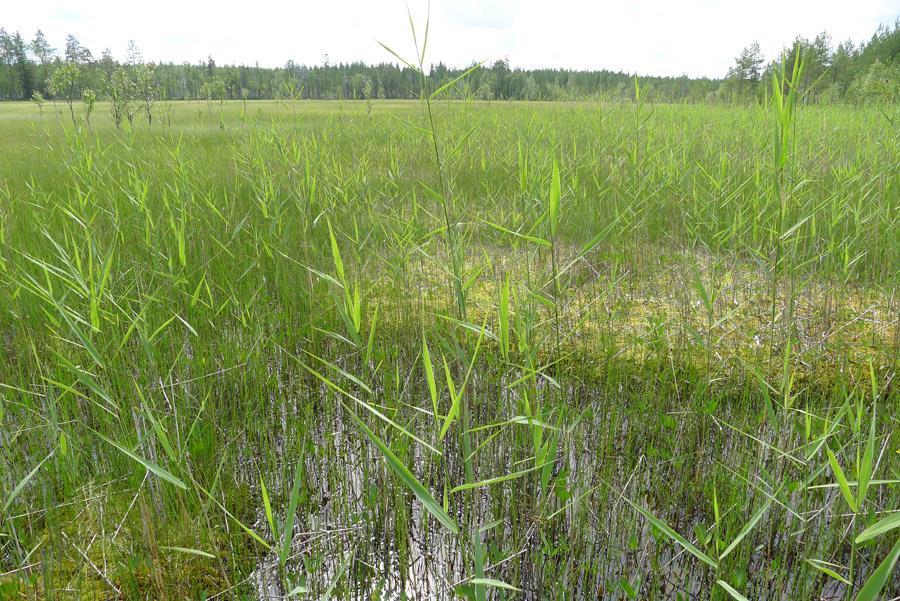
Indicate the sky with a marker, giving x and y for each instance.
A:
(648, 37)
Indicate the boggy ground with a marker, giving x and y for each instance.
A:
(236, 363)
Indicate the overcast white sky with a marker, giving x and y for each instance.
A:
(665, 37)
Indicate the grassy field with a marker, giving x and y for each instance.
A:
(517, 350)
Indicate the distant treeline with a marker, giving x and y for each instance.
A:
(848, 72)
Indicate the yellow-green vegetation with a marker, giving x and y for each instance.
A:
(450, 349)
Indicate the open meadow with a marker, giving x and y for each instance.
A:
(456, 349)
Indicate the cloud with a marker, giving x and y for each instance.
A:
(68, 15)
(489, 14)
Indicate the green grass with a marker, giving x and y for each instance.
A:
(578, 350)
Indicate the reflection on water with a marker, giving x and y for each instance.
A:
(362, 536)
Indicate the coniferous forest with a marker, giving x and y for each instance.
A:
(834, 72)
